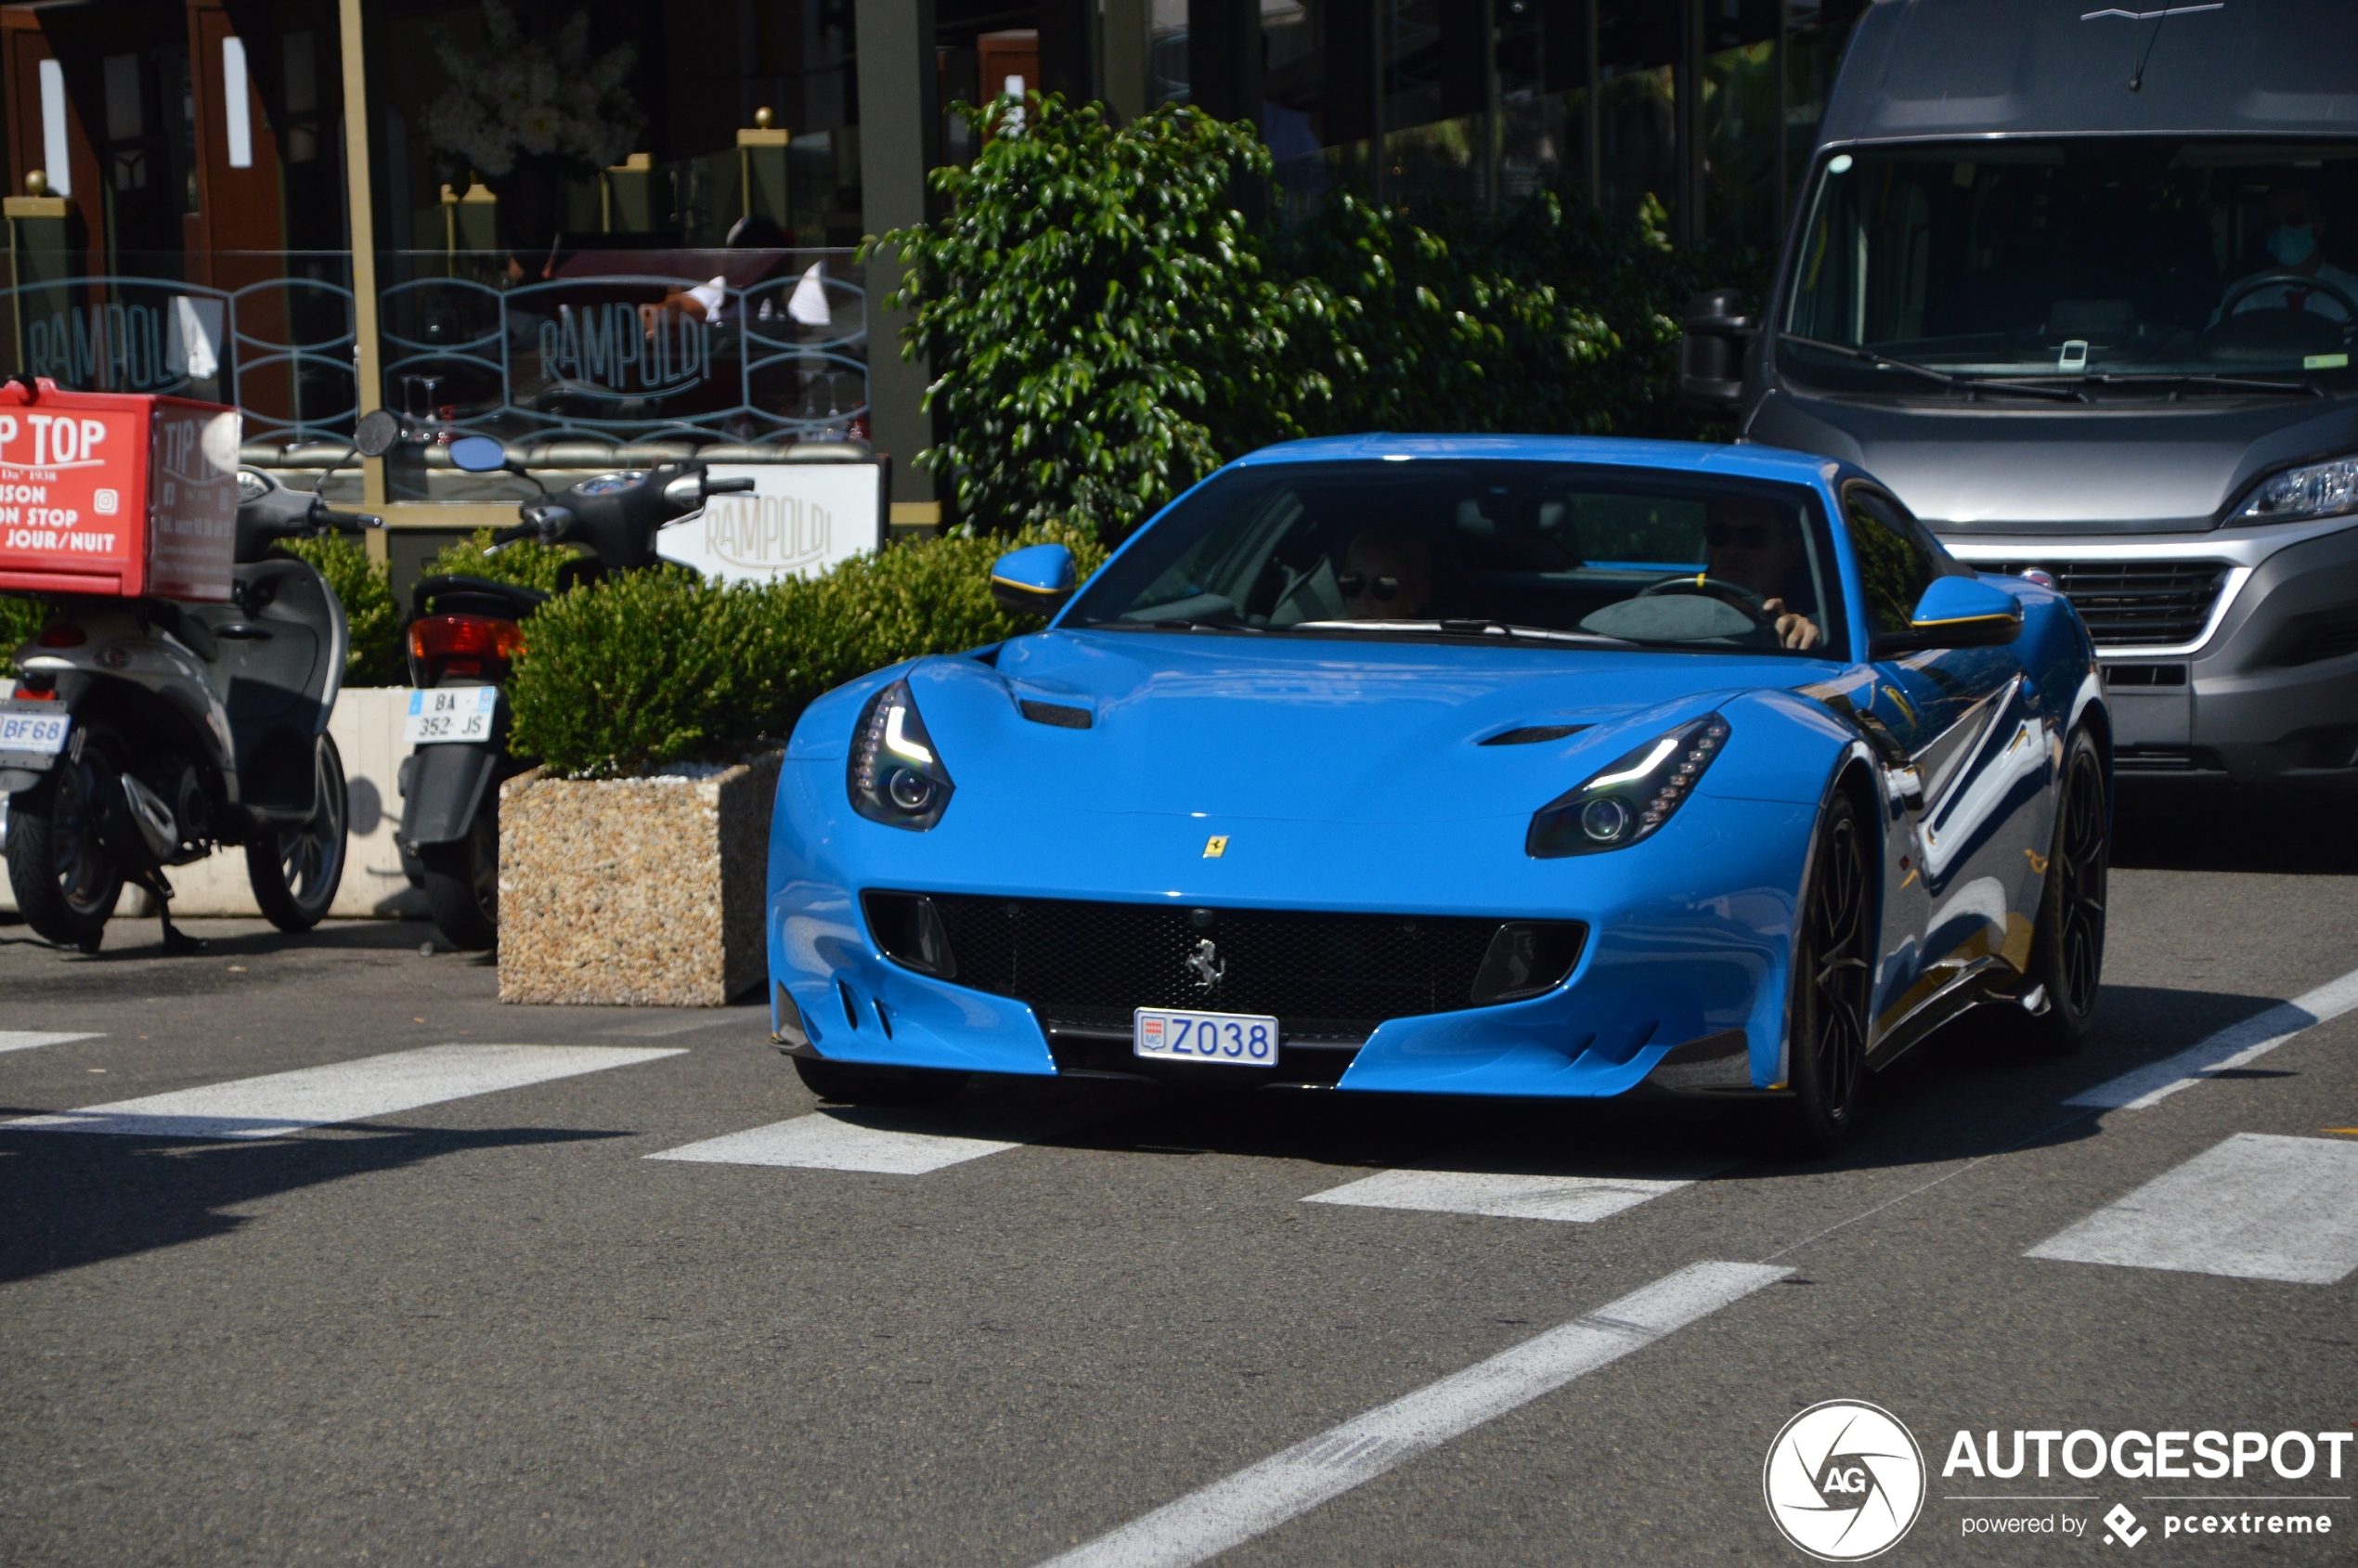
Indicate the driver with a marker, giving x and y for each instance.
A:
(1749, 541)
(2296, 223)
(1387, 575)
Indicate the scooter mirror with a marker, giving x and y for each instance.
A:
(377, 434)
(478, 454)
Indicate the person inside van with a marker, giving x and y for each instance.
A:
(2296, 224)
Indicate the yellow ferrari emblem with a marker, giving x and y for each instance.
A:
(2038, 863)
(1215, 847)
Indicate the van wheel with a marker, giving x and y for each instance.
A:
(65, 882)
(860, 1084)
(294, 873)
(462, 884)
(1826, 1028)
(2067, 945)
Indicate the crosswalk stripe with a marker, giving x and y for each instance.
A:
(1577, 1199)
(2259, 1206)
(2228, 1049)
(1258, 1500)
(279, 1102)
(832, 1141)
(26, 1039)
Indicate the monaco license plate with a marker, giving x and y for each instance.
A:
(25, 729)
(450, 713)
(1235, 1039)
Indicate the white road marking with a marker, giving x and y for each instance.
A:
(279, 1102)
(825, 1141)
(1254, 1500)
(2255, 1207)
(26, 1039)
(2223, 1052)
(1579, 1199)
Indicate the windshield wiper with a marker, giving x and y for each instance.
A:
(1470, 628)
(1180, 623)
(1970, 383)
(2201, 378)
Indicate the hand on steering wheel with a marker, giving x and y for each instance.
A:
(2282, 278)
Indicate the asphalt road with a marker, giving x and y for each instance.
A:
(490, 1330)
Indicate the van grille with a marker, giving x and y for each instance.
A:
(2134, 604)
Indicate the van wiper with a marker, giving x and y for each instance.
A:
(2202, 378)
(1970, 383)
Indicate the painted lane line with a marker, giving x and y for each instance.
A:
(1575, 1199)
(279, 1102)
(2223, 1052)
(25, 1039)
(1257, 1500)
(2259, 1206)
(824, 1140)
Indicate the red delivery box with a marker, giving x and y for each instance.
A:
(122, 494)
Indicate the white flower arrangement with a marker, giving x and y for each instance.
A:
(536, 97)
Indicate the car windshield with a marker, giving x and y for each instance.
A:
(1550, 552)
(2191, 265)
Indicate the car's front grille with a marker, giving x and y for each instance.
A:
(1326, 977)
(2134, 604)
(2180, 760)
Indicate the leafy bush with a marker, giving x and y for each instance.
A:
(527, 562)
(20, 620)
(655, 666)
(1103, 327)
(371, 618)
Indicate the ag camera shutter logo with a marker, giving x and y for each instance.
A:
(1843, 1480)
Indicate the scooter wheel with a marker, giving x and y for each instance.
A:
(294, 875)
(65, 882)
(462, 886)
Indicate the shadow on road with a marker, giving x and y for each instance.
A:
(2230, 834)
(71, 1199)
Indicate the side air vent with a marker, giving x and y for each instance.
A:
(1057, 714)
(1533, 734)
(908, 927)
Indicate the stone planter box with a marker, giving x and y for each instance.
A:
(637, 892)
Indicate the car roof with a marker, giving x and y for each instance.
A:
(1743, 460)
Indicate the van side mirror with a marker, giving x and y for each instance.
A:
(1958, 612)
(1033, 581)
(1711, 351)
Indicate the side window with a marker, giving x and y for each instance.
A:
(1896, 559)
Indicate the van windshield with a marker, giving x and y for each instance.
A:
(2186, 263)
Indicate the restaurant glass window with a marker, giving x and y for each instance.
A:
(1437, 126)
(1167, 76)
(1740, 199)
(1543, 95)
(1637, 47)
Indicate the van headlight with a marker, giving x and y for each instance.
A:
(2317, 489)
(1630, 798)
(895, 776)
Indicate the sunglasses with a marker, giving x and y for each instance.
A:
(1744, 536)
(1355, 586)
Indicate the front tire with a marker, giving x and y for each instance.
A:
(1826, 1021)
(462, 884)
(65, 882)
(862, 1084)
(2067, 944)
(294, 873)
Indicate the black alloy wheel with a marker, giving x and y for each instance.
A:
(65, 882)
(1826, 1028)
(2068, 948)
(294, 874)
(462, 882)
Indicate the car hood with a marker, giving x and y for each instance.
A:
(2062, 468)
(1225, 727)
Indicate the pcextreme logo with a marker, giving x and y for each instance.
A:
(1843, 1480)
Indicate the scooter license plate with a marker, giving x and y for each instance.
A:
(450, 713)
(34, 729)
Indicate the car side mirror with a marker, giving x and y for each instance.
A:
(1033, 581)
(1711, 351)
(478, 454)
(1959, 611)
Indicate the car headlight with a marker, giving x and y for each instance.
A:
(895, 776)
(2320, 489)
(1632, 796)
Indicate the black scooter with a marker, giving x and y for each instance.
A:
(465, 635)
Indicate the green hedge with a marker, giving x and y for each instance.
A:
(661, 666)
(21, 619)
(527, 562)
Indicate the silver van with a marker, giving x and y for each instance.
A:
(2079, 282)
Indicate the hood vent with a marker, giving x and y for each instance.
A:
(1532, 734)
(1057, 714)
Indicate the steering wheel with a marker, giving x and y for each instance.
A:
(1734, 593)
(2238, 293)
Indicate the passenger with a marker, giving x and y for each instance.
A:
(2295, 224)
(1751, 542)
(1387, 575)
